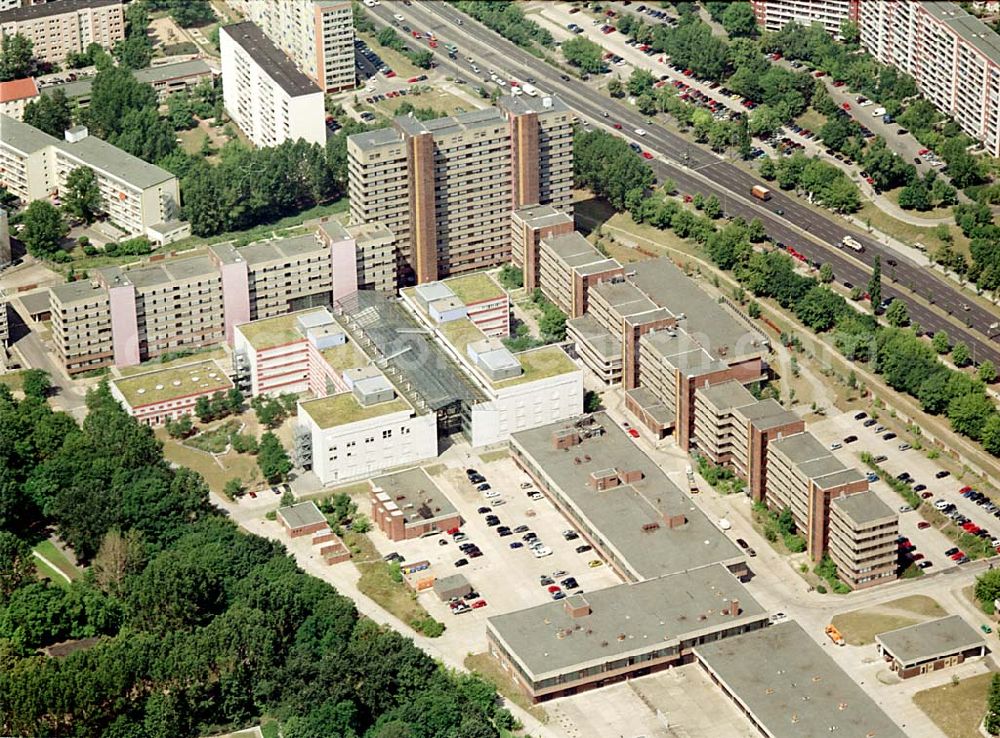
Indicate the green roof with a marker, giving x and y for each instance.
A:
(460, 333)
(172, 383)
(345, 356)
(271, 332)
(344, 408)
(475, 287)
(540, 363)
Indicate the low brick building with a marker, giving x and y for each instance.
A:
(925, 647)
(409, 505)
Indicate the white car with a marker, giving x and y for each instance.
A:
(542, 551)
(398, 17)
(491, 493)
(640, 131)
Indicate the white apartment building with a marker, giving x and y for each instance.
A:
(59, 28)
(265, 95)
(773, 15)
(134, 193)
(953, 56)
(317, 35)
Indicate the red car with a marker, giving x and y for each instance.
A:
(846, 106)
(390, 73)
(917, 557)
(433, 44)
(478, 603)
(415, 34)
(922, 152)
(688, 198)
(838, 83)
(957, 555)
(964, 490)
(819, 73)
(553, 588)
(870, 180)
(923, 525)
(926, 495)
(452, 531)
(618, 126)
(633, 432)
(688, 72)
(646, 155)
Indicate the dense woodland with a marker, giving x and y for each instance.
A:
(202, 627)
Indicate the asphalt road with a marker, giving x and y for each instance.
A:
(696, 169)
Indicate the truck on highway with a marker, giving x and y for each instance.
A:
(852, 244)
(530, 90)
(761, 193)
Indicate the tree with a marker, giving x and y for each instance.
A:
(272, 459)
(422, 58)
(203, 409)
(17, 564)
(991, 435)
(987, 372)
(133, 52)
(897, 315)
(826, 273)
(591, 401)
(188, 13)
(875, 284)
(234, 401)
(960, 354)
(583, 53)
(16, 57)
(82, 197)
(181, 427)
(739, 20)
(118, 557)
(42, 229)
(713, 208)
(615, 87)
(915, 197)
(640, 82)
(941, 342)
(36, 383)
(50, 113)
(991, 723)
(970, 413)
(819, 308)
(234, 488)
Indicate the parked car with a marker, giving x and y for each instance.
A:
(461, 562)
(584, 549)
(595, 563)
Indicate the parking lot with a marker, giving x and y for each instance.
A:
(507, 579)
(924, 480)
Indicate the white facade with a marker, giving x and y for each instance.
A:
(134, 194)
(267, 97)
(369, 447)
(773, 15)
(953, 56)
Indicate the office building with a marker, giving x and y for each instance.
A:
(123, 316)
(953, 56)
(161, 395)
(165, 79)
(134, 193)
(928, 647)
(475, 296)
(620, 501)
(374, 248)
(568, 264)
(445, 187)
(68, 26)
(589, 640)
(788, 686)
(15, 96)
(805, 477)
(511, 392)
(773, 15)
(529, 225)
(263, 92)
(409, 504)
(317, 35)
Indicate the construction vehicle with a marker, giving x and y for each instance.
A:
(761, 193)
(835, 635)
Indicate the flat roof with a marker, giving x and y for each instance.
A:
(539, 363)
(161, 385)
(370, 232)
(624, 297)
(624, 619)
(274, 249)
(416, 494)
(374, 139)
(933, 639)
(475, 287)
(967, 27)
(651, 404)
(620, 513)
(801, 448)
(727, 395)
(765, 414)
(682, 351)
(792, 687)
(163, 272)
(863, 507)
(113, 161)
(270, 59)
(717, 330)
(343, 408)
(19, 135)
(597, 337)
(302, 514)
(521, 104)
(276, 331)
(31, 12)
(452, 124)
(35, 302)
(174, 70)
(541, 216)
(70, 292)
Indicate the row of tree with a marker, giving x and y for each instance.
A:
(201, 627)
(827, 184)
(508, 19)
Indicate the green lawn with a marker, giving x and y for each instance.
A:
(859, 627)
(487, 667)
(61, 563)
(957, 709)
(214, 440)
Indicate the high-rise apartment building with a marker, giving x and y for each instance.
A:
(953, 56)
(446, 187)
(773, 15)
(59, 28)
(317, 35)
(135, 194)
(264, 93)
(126, 316)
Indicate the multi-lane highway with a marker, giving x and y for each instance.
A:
(696, 169)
